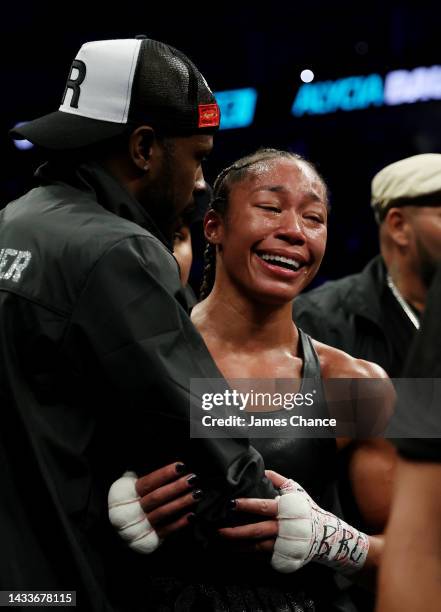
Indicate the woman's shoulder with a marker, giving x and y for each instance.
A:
(372, 397)
(335, 363)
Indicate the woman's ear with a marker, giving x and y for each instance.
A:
(213, 227)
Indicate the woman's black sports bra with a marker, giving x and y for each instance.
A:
(309, 461)
(225, 581)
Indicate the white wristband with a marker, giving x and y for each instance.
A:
(309, 533)
(128, 517)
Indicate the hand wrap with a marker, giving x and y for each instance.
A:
(309, 533)
(128, 517)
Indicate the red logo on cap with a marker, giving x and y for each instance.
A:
(209, 115)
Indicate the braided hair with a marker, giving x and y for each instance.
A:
(221, 190)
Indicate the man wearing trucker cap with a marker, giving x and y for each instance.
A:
(96, 348)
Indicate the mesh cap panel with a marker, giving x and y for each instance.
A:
(167, 89)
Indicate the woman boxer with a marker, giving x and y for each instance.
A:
(266, 232)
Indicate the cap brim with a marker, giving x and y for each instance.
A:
(63, 131)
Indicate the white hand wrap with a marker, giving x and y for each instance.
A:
(309, 533)
(128, 517)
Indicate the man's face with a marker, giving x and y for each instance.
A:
(179, 176)
(426, 224)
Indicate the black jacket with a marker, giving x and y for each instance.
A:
(359, 315)
(96, 357)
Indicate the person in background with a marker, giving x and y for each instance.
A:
(182, 250)
(190, 221)
(411, 569)
(375, 314)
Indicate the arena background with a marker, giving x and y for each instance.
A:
(237, 45)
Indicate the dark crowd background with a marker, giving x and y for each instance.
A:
(242, 45)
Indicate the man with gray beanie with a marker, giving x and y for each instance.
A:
(96, 348)
(375, 314)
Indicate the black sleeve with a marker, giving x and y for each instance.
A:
(419, 449)
(311, 320)
(424, 358)
(146, 349)
(419, 407)
(303, 315)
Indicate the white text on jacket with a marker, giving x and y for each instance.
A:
(12, 263)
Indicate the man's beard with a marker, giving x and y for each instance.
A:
(427, 264)
(161, 204)
(162, 211)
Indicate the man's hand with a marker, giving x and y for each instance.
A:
(146, 510)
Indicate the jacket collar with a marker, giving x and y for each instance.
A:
(110, 194)
(367, 296)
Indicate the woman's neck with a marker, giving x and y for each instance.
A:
(243, 323)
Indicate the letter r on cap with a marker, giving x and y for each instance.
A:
(74, 84)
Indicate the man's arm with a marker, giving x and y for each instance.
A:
(410, 576)
(371, 471)
(129, 332)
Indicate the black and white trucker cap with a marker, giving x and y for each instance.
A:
(115, 84)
